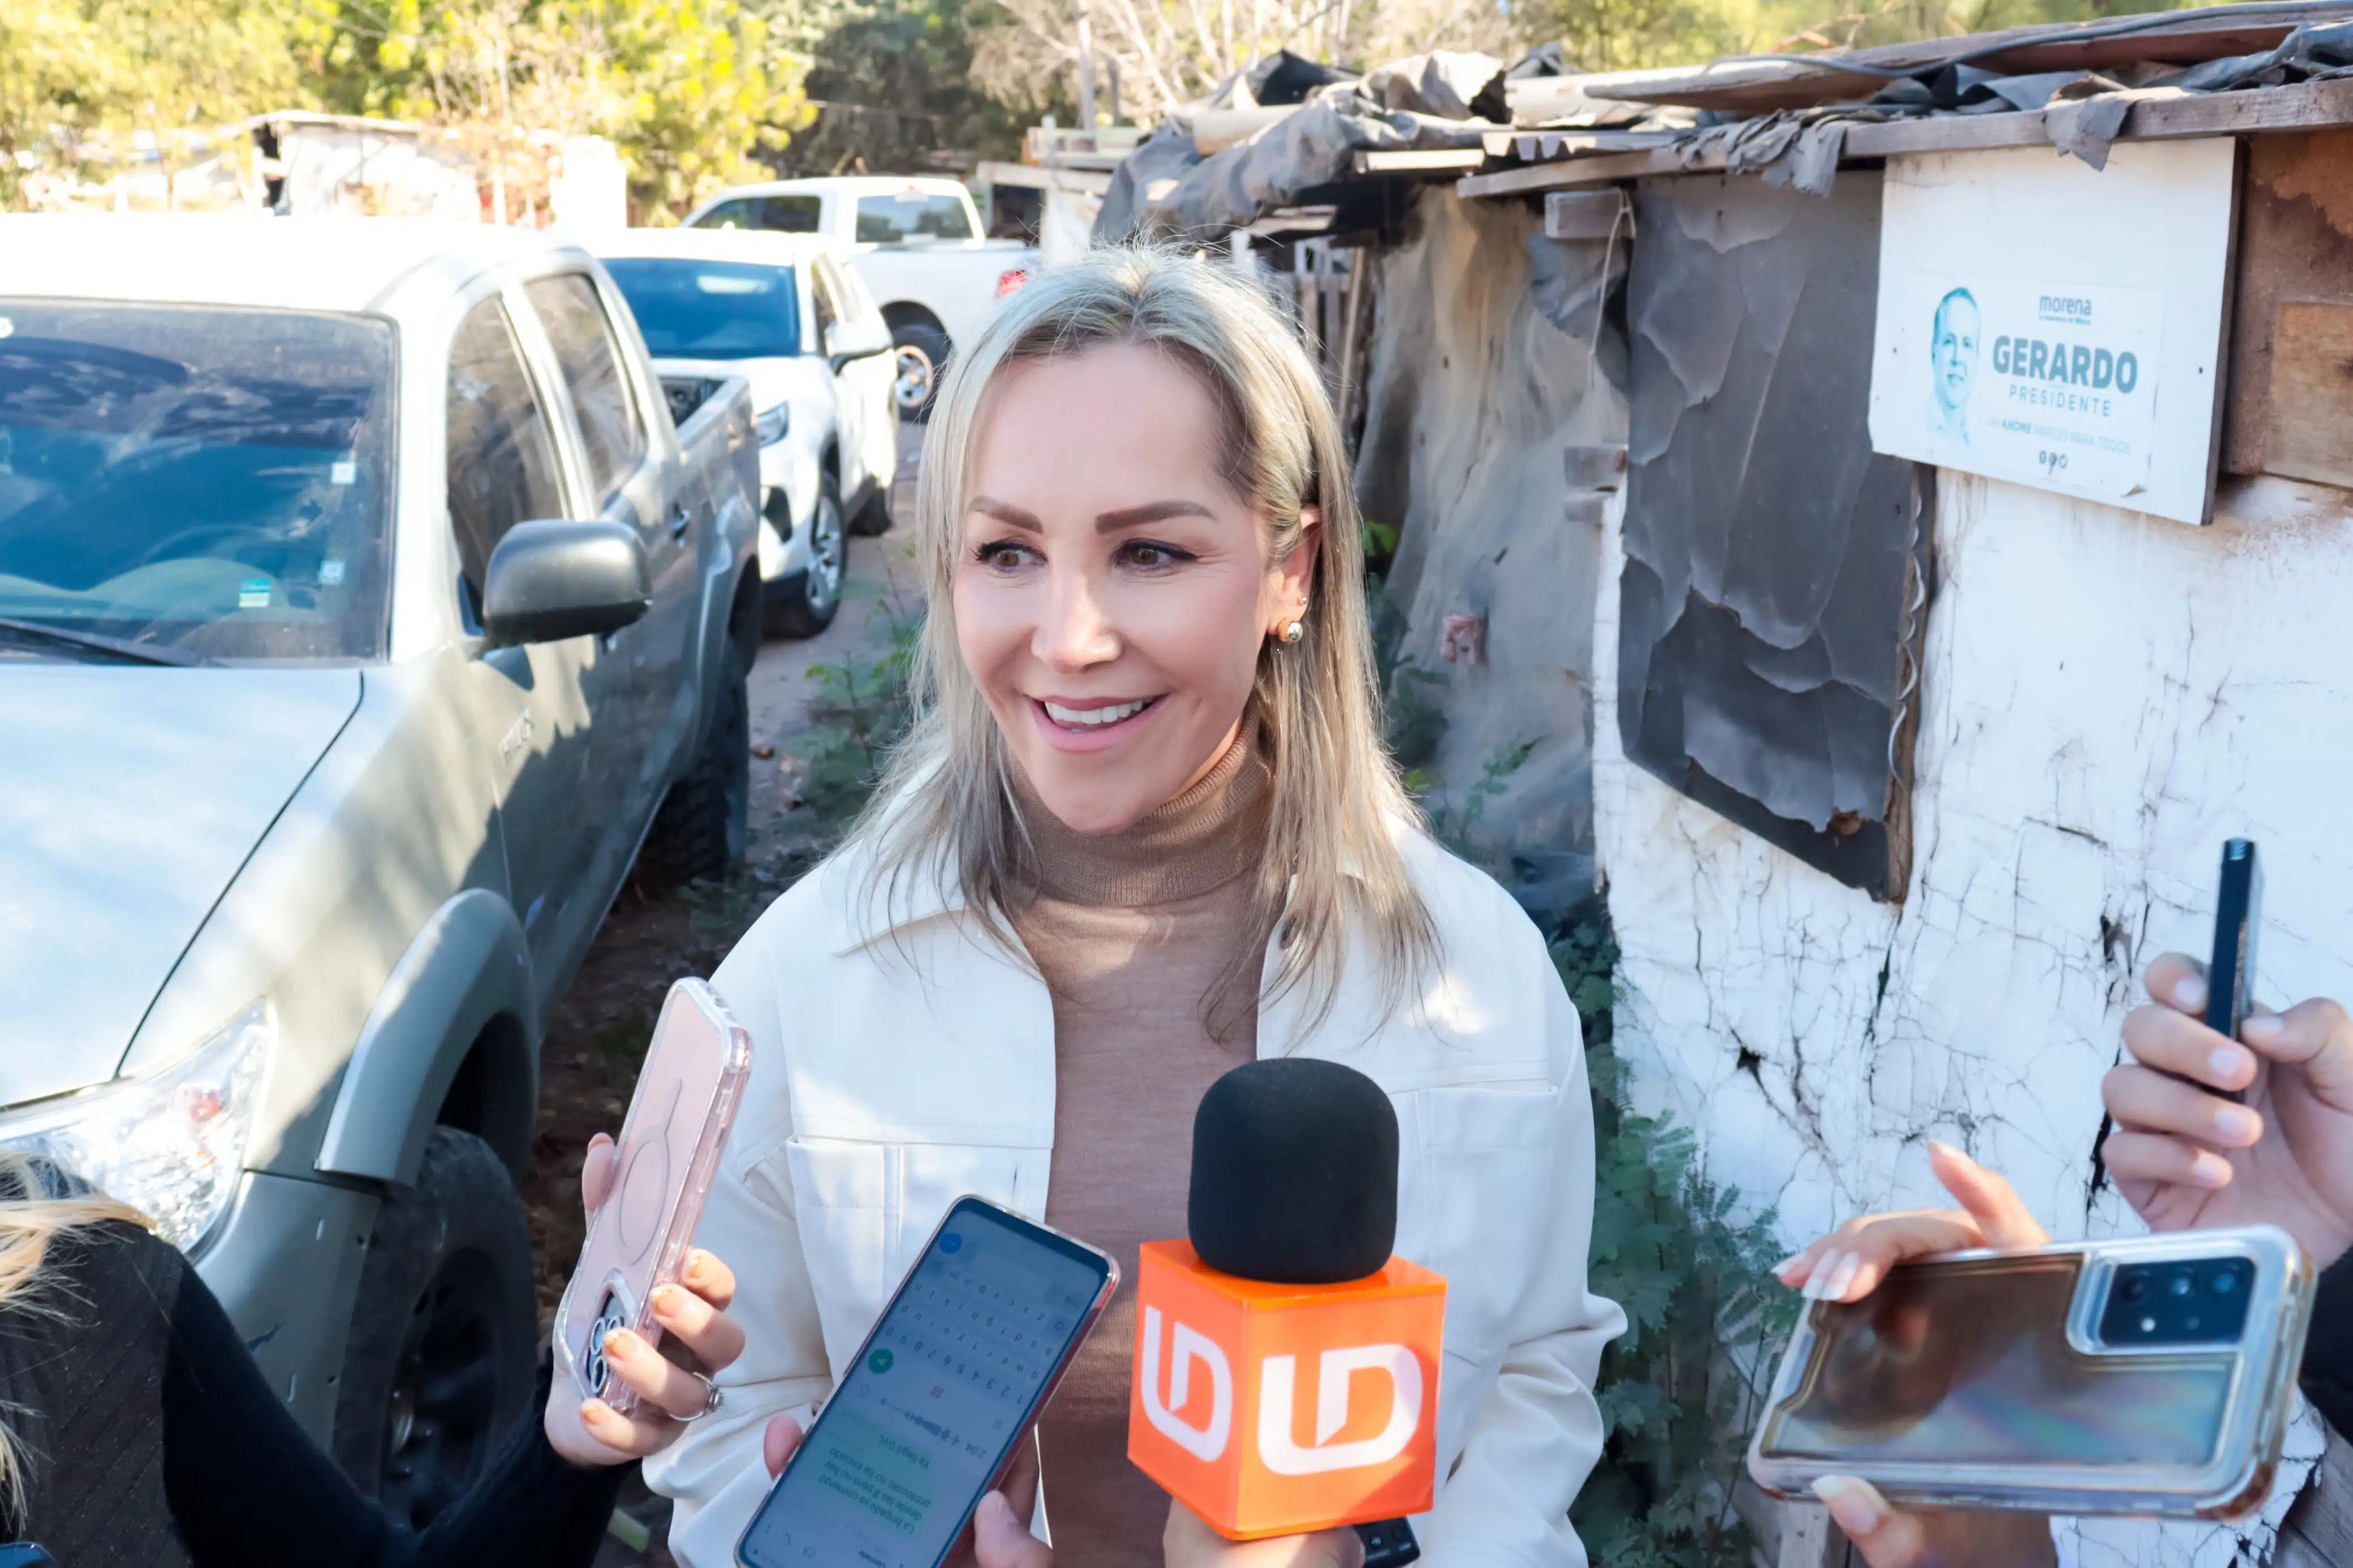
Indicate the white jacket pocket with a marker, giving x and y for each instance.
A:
(1479, 1160)
(865, 1209)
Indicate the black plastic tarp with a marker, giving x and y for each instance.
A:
(1771, 600)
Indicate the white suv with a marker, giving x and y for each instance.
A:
(781, 312)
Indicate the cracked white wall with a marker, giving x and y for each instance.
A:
(2107, 697)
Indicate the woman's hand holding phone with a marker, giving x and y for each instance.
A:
(1846, 1265)
(2187, 1159)
(693, 1317)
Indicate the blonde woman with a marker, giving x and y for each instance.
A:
(136, 1429)
(1145, 830)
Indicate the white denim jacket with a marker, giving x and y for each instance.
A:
(901, 1061)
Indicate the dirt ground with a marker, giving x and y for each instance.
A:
(588, 1062)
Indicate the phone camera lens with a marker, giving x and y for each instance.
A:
(2189, 1323)
(2180, 1284)
(2226, 1282)
(2134, 1287)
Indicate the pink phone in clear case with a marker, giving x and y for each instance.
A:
(670, 1147)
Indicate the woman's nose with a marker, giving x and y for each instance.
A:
(1075, 632)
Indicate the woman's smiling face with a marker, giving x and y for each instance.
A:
(1112, 591)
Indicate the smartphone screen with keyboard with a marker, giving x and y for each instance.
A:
(926, 1418)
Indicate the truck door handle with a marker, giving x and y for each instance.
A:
(680, 516)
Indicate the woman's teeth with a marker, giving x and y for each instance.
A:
(1090, 717)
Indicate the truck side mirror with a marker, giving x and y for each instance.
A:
(848, 341)
(557, 578)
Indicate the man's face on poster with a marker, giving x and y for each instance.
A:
(1953, 355)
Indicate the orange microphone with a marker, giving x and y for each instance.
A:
(1286, 1363)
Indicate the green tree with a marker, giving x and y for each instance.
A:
(892, 81)
(71, 66)
(687, 88)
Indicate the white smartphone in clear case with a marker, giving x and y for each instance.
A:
(668, 1151)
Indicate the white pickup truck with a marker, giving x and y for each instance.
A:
(917, 245)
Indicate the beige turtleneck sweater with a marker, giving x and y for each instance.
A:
(1133, 931)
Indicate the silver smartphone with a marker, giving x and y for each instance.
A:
(2153, 1375)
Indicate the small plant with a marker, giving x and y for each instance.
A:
(1456, 824)
(1681, 1388)
(1412, 722)
(863, 711)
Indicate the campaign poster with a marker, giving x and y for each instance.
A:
(2056, 325)
(2031, 381)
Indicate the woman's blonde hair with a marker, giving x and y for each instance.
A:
(947, 808)
(37, 1207)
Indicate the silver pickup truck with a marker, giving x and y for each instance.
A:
(368, 608)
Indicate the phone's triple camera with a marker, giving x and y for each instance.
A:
(2188, 1302)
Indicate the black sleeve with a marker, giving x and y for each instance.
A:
(249, 1489)
(2329, 1350)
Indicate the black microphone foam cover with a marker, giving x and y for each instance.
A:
(1294, 1174)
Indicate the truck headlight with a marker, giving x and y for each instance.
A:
(771, 426)
(170, 1144)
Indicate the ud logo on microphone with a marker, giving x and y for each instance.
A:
(1279, 1449)
(1335, 1377)
(1205, 1442)
(1288, 1296)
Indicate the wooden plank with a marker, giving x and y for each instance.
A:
(1595, 171)
(2307, 106)
(2311, 435)
(2183, 37)
(1214, 130)
(1422, 161)
(1946, 133)
(1588, 215)
(2295, 248)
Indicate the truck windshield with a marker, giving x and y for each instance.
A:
(711, 310)
(896, 220)
(208, 480)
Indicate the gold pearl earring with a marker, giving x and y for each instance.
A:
(1292, 632)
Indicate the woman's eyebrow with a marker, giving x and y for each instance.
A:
(1150, 511)
(1009, 514)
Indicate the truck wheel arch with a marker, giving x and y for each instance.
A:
(451, 1039)
(907, 313)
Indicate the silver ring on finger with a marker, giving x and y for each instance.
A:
(711, 1397)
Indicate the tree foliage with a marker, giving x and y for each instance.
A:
(687, 88)
(891, 82)
(71, 66)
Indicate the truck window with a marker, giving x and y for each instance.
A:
(893, 220)
(502, 455)
(601, 395)
(780, 215)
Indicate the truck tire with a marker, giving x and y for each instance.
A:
(441, 1359)
(874, 518)
(804, 603)
(919, 356)
(704, 824)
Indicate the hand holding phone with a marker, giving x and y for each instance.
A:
(931, 1412)
(2151, 1375)
(639, 1237)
